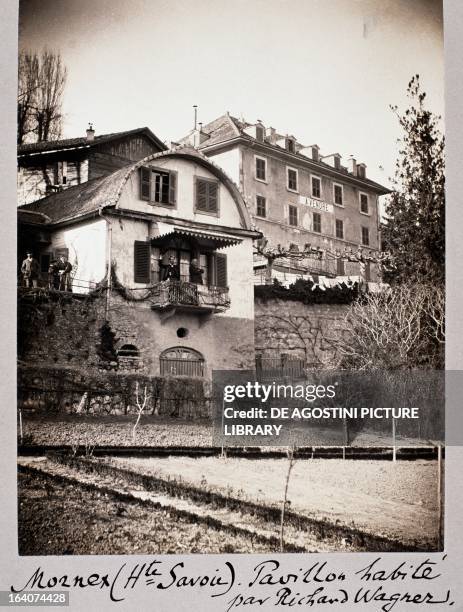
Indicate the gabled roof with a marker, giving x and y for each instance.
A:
(83, 142)
(81, 200)
(226, 128)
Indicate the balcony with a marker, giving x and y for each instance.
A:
(181, 295)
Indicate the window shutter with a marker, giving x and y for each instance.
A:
(221, 270)
(145, 183)
(172, 187)
(142, 264)
(213, 199)
(201, 195)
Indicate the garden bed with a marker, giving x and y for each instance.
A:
(49, 513)
(392, 500)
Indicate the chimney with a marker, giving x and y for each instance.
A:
(352, 165)
(361, 170)
(90, 132)
(270, 133)
(315, 152)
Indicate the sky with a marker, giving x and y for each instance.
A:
(324, 71)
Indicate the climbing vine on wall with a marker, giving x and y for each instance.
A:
(308, 292)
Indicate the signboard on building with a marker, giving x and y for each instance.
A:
(318, 204)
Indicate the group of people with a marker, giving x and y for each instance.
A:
(171, 271)
(59, 273)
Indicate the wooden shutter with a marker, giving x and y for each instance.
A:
(141, 260)
(201, 195)
(221, 270)
(172, 187)
(145, 183)
(213, 193)
(207, 195)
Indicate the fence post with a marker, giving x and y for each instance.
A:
(440, 490)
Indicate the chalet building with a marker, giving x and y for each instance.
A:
(52, 166)
(295, 195)
(172, 204)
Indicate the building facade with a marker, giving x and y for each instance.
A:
(295, 195)
(52, 166)
(121, 231)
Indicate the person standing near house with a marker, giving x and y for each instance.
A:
(53, 276)
(170, 272)
(64, 270)
(196, 273)
(30, 271)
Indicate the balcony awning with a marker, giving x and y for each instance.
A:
(209, 239)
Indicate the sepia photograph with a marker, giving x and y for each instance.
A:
(230, 197)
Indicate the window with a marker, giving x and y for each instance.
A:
(340, 267)
(261, 169)
(316, 187)
(259, 133)
(365, 236)
(158, 185)
(261, 206)
(338, 194)
(317, 223)
(60, 173)
(142, 261)
(290, 145)
(181, 361)
(207, 196)
(339, 228)
(293, 215)
(337, 162)
(291, 176)
(364, 203)
(128, 350)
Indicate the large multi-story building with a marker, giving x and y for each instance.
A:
(296, 195)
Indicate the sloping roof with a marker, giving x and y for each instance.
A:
(227, 127)
(80, 200)
(223, 128)
(71, 143)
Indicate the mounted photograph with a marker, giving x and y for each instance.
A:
(230, 277)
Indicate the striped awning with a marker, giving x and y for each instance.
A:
(214, 240)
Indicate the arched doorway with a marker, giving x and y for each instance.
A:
(181, 361)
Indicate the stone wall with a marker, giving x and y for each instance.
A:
(71, 390)
(310, 332)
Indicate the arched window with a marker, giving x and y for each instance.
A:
(128, 350)
(181, 361)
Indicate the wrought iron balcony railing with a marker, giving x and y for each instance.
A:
(189, 296)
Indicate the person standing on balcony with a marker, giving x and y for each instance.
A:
(170, 272)
(30, 271)
(65, 269)
(53, 276)
(196, 273)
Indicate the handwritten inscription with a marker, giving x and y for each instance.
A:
(270, 584)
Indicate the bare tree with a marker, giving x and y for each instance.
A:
(396, 329)
(141, 406)
(310, 253)
(41, 82)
